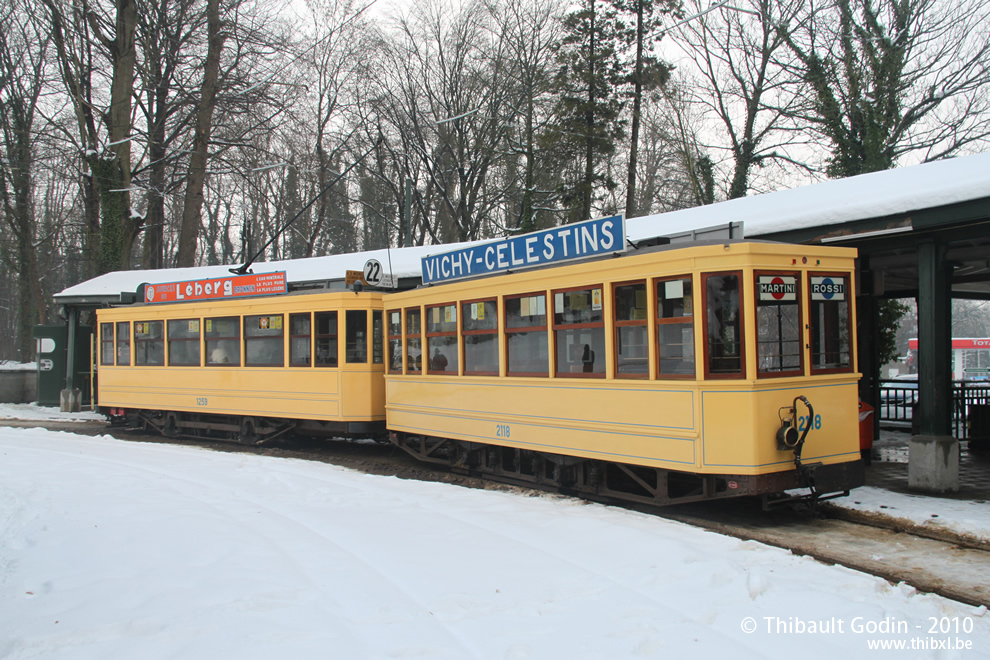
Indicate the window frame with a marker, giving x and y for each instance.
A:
(634, 323)
(118, 341)
(588, 325)
(317, 336)
(676, 320)
(377, 336)
(706, 356)
(848, 277)
(356, 348)
(263, 338)
(308, 337)
(104, 342)
(140, 343)
(218, 338)
(198, 339)
(399, 337)
(427, 355)
(804, 353)
(484, 332)
(406, 336)
(507, 331)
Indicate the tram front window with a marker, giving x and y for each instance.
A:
(830, 346)
(723, 326)
(778, 324)
(357, 336)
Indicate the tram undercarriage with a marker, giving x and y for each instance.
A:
(609, 481)
(249, 430)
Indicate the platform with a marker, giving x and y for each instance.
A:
(889, 468)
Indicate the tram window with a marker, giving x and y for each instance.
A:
(579, 332)
(183, 343)
(223, 341)
(723, 326)
(300, 340)
(526, 349)
(778, 324)
(106, 343)
(479, 325)
(441, 339)
(675, 328)
(395, 341)
(631, 343)
(414, 342)
(377, 339)
(326, 338)
(264, 343)
(830, 347)
(356, 347)
(123, 343)
(149, 343)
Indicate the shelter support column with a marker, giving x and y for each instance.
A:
(70, 399)
(934, 454)
(868, 335)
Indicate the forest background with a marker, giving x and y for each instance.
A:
(160, 133)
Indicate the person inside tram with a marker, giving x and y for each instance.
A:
(439, 361)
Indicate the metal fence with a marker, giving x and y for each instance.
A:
(898, 399)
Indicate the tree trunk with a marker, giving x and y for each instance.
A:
(193, 207)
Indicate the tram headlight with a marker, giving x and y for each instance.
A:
(787, 437)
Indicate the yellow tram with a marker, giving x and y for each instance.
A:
(247, 369)
(670, 374)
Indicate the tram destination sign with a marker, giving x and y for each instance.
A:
(237, 286)
(549, 246)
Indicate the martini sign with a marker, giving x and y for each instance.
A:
(778, 288)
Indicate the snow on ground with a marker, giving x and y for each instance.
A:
(970, 518)
(6, 365)
(32, 412)
(113, 549)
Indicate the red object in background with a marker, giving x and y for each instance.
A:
(866, 423)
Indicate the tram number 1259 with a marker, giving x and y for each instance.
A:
(805, 420)
(502, 431)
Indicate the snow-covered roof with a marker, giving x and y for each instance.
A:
(401, 262)
(874, 195)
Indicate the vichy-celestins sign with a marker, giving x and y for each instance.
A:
(576, 241)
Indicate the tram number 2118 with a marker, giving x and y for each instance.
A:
(502, 431)
(806, 420)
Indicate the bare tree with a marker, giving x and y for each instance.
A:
(888, 78)
(448, 94)
(533, 31)
(23, 49)
(747, 81)
(193, 207)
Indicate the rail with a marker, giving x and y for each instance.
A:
(899, 398)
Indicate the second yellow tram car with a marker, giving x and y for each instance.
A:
(667, 375)
(247, 369)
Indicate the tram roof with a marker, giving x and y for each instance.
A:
(874, 195)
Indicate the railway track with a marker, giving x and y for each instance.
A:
(949, 565)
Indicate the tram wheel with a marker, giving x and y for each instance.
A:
(170, 428)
